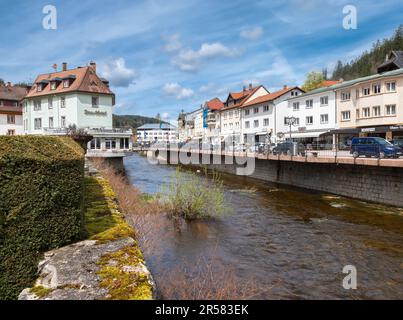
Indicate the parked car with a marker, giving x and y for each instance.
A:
(287, 149)
(374, 147)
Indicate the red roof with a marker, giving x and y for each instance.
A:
(328, 83)
(215, 104)
(243, 95)
(270, 96)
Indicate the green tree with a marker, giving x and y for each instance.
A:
(2, 82)
(313, 81)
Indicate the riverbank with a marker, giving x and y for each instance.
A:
(108, 264)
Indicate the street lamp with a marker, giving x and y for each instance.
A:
(291, 121)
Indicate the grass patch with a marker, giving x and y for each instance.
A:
(102, 219)
(40, 291)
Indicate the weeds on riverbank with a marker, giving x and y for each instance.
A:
(190, 196)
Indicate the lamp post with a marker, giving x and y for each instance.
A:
(291, 121)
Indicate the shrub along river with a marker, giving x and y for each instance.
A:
(294, 243)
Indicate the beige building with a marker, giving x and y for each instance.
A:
(371, 105)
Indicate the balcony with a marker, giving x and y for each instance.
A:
(211, 119)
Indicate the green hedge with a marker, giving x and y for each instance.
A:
(41, 186)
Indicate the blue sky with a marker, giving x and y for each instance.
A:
(164, 56)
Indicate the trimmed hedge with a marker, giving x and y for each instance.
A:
(41, 187)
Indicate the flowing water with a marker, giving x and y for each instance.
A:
(293, 242)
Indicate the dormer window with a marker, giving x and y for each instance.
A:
(53, 85)
(39, 87)
(66, 83)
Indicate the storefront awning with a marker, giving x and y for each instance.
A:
(306, 134)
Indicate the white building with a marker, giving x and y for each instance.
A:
(260, 116)
(157, 132)
(315, 114)
(11, 109)
(75, 98)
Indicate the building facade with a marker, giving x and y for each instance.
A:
(231, 116)
(155, 132)
(371, 106)
(11, 122)
(260, 115)
(315, 114)
(75, 99)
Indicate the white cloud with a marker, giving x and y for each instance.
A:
(176, 90)
(172, 42)
(117, 73)
(165, 116)
(191, 60)
(252, 33)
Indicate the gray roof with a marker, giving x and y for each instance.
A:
(156, 126)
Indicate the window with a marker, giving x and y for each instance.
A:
(236, 113)
(230, 114)
(63, 102)
(247, 125)
(390, 110)
(247, 111)
(53, 86)
(10, 132)
(66, 83)
(256, 110)
(366, 112)
(296, 121)
(51, 122)
(231, 126)
(265, 108)
(286, 121)
(95, 102)
(376, 88)
(1, 102)
(225, 115)
(366, 91)
(357, 94)
(63, 121)
(345, 116)
(357, 113)
(37, 105)
(294, 93)
(346, 95)
(309, 104)
(37, 123)
(39, 87)
(266, 122)
(324, 118)
(256, 123)
(376, 111)
(10, 119)
(237, 125)
(295, 106)
(324, 101)
(309, 120)
(390, 86)
(50, 103)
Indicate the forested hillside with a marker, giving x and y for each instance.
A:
(366, 64)
(133, 121)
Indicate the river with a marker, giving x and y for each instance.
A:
(293, 242)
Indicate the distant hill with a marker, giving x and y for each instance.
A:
(133, 121)
(366, 64)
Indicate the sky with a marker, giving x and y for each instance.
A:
(162, 56)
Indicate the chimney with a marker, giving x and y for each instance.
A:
(285, 87)
(244, 88)
(64, 66)
(93, 65)
(250, 86)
